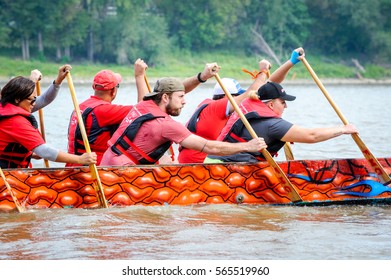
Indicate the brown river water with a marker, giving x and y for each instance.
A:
(219, 232)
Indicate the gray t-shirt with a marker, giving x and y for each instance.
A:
(271, 129)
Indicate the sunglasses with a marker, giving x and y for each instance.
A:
(32, 101)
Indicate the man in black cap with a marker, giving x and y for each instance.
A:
(263, 110)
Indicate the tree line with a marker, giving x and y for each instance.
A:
(119, 31)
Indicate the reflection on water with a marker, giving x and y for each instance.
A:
(198, 232)
(219, 231)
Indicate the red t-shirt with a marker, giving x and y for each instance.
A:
(109, 114)
(211, 121)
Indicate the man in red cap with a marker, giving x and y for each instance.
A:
(101, 118)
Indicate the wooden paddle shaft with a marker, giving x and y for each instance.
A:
(383, 176)
(19, 207)
(41, 122)
(288, 151)
(294, 195)
(147, 83)
(94, 171)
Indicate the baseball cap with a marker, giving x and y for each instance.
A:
(272, 90)
(106, 80)
(167, 84)
(231, 85)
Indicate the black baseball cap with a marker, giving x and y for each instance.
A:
(272, 90)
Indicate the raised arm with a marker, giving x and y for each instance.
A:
(209, 71)
(261, 78)
(279, 75)
(52, 91)
(141, 82)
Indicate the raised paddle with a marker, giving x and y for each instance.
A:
(171, 150)
(94, 171)
(286, 184)
(19, 207)
(41, 122)
(147, 83)
(382, 174)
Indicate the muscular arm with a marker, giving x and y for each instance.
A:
(209, 71)
(279, 75)
(315, 135)
(141, 81)
(197, 143)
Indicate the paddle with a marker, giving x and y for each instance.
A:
(288, 151)
(94, 171)
(286, 184)
(41, 123)
(19, 207)
(171, 149)
(382, 174)
(147, 83)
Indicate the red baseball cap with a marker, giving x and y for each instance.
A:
(106, 80)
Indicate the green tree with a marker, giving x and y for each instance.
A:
(65, 26)
(4, 28)
(143, 33)
(22, 23)
(201, 25)
(283, 23)
(99, 15)
(358, 28)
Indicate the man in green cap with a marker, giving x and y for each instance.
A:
(148, 131)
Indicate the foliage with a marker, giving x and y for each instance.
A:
(183, 64)
(120, 31)
(144, 35)
(284, 24)
(359, 28)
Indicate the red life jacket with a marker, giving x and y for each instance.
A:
(192, 123)
(15, 155)
(124, 136)
(252, 109)
(95, 133)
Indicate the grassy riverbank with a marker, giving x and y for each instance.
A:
(185, 65)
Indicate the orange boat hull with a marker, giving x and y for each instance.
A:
(318, 182)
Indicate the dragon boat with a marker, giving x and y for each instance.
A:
(318, 182)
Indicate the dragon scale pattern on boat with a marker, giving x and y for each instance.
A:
(315, 180)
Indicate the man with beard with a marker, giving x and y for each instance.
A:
(148, 130)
